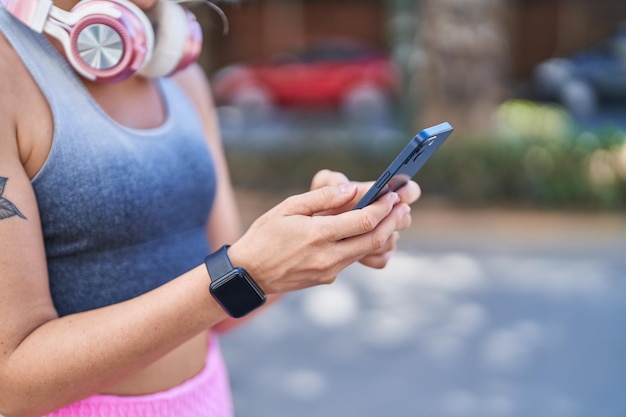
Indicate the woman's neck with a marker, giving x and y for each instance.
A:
(65, 4)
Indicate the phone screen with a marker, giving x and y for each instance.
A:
(408, 162)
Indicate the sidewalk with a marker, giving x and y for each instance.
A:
(437, 223)
(481, 312)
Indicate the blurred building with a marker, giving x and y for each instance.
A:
(460, 58)
(262, 29)
(542, 29)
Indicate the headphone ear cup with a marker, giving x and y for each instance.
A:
(110, 48)
(178, 40)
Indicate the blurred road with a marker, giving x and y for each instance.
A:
(481, 313)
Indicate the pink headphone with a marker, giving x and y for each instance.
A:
(110, 40)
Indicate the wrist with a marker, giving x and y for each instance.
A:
(240, 258)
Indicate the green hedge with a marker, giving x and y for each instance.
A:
(583, 171)
(557, 166)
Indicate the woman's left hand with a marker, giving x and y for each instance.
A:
(409, 193)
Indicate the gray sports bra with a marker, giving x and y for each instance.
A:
(123, 211)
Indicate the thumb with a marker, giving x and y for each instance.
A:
(325, 198)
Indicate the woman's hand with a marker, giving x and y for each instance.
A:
(408, 194)
(293, 246)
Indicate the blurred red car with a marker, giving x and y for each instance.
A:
(332, 74)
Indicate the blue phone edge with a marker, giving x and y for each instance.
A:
(405, 153)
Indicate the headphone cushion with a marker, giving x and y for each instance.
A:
(172, 35)
(133, 26)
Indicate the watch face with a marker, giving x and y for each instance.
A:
(237, 293)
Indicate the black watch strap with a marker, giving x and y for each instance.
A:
(218, 263)
(233, 288)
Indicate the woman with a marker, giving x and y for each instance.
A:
(111, 196)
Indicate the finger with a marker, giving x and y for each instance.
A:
(362, 188)
(379, 259)
(358, 222)
(389, 246)
(410, 192)
(327, 177)
(375, 241)
(402, 213)
(321, 199)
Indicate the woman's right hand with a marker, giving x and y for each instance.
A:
(289, 248)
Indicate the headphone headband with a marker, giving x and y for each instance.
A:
(33, 13)
(110, 40)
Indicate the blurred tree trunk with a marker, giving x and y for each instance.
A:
(460, 66)
(404, 50)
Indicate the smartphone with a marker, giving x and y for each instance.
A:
(408, 162)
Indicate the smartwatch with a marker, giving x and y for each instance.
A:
(233, 288)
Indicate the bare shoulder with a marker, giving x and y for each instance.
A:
(194, 82)
(25, 118)
(8, 87)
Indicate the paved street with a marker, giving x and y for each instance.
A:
(481, 313)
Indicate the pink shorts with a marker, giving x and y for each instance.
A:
(205, 395)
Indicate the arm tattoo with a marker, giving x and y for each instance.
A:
(7, 209)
